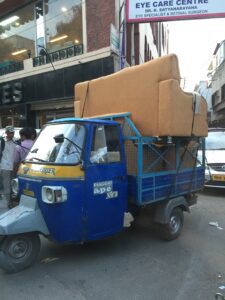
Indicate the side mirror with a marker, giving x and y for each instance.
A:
(59, 138)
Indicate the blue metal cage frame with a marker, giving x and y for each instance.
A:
(182, 175)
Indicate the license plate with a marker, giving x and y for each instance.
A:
(218, 177)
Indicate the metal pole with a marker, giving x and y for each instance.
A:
(122, 26)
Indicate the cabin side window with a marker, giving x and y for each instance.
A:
(106, 145)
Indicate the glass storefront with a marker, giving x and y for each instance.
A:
(17, 36)
(63, 24)
(53, 24)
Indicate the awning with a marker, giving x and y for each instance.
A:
(6, 6)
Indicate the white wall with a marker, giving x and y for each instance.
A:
(145, 30)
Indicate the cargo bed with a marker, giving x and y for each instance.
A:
(160, 168)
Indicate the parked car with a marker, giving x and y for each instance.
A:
(215, 158)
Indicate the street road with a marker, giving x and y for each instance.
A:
(133, 265)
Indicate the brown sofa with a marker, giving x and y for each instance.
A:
(152, 93)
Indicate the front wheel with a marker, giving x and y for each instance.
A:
(172, 230)
(18, 252)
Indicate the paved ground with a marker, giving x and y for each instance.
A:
(135, 264)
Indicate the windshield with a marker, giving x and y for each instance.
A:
(215, 141)
(46, 150)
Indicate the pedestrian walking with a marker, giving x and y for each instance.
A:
(26, 137)
(8, 147)
(33, 133)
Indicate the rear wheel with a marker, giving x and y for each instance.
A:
(18, 252)
(172, 230)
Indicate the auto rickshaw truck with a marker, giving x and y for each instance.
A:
(84, 179)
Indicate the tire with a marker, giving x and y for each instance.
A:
(18, 252)
(172, 230)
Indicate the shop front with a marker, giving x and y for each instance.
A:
(14, 115)
(34, 100)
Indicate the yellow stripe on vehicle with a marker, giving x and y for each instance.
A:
(28, 193)
(37, 170)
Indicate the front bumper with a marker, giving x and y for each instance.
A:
(214, 179)
(215, 184)
(26, 217)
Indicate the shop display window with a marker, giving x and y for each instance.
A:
(17, 36)
(63, 24)
(45, 24)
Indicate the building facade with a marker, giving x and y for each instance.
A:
(205, 91)
(217, 85)
(47, 46)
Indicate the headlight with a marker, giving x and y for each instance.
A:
(207, 173)
(54, 194)
(49, 195)
(15, 186)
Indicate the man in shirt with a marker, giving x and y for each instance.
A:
(6, 167)
(22, 149)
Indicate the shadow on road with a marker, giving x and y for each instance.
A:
(213, 192)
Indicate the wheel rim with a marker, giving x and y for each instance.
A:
(19, 248)
(174, 223)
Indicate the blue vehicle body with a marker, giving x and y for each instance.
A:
(81, 185)
(85, 215)
(89, 215)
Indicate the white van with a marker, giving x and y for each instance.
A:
(215, 158)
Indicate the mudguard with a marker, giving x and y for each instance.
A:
(163, 211)
(26, 217)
